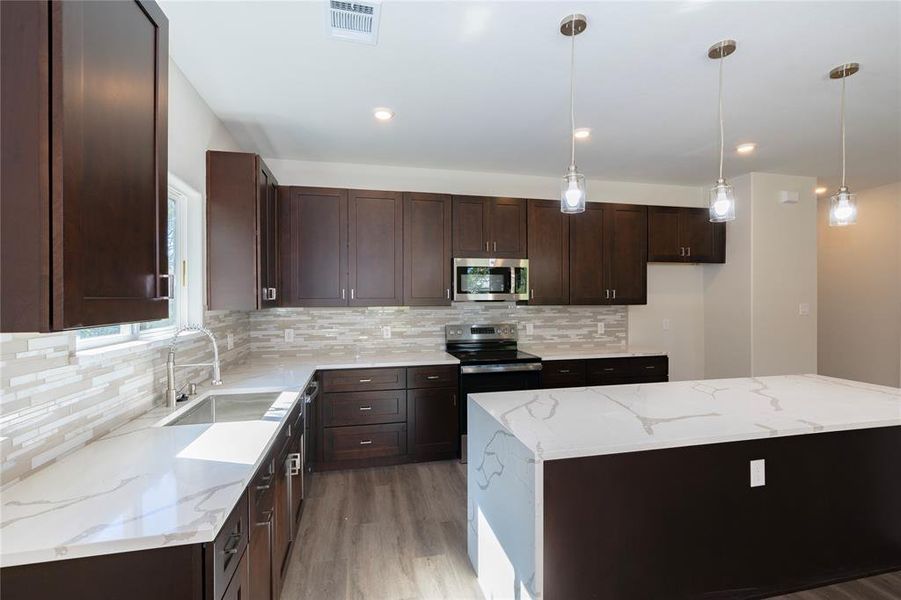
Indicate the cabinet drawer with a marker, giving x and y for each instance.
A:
(650, 367)
(562, 373)
(365, 441)
(362, 380)
(427, 377)
(228, 547)
(608, 371)
(260, 489)
(364, 408)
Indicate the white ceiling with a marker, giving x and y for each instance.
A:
(484, 85)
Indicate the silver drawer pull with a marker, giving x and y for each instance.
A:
(608, 368)
(233, 548)
(651, 367)
(365, 408)
(563, 371)
(365, 380)
(433, 377)
(365, 442)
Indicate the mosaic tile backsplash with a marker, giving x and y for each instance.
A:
(54, 400)
(323, 331)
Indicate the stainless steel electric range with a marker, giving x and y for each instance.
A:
(489, 362)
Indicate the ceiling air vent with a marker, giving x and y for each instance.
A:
(355, 21)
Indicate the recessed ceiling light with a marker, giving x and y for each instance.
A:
(383, 114)
(582, 133)
(746, 148)
(821, 190)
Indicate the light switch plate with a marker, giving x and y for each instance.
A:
(667, 325)
(386, 331)
(789, 197)
(804, 308)
(289, 335)
(758, 473)
(230, 341)
(530, 328)
(601, 328)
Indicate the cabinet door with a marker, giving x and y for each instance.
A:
(265, 246)
(470, 236)
(433, 419)
(627, 253)
(587, 257)
(664, 244)
(239, 587)
(696, 233)
(271, 243)
(109, 166)
(259, 553)
(312, 232)
(507, 228)
(548, 235)
(376, 253)
(281, 521)
(427, 249)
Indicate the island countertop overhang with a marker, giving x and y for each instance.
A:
(576, 422)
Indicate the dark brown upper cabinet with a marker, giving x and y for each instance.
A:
(608, 255)
(427, 249)
(548, 253)
(627, 258)
(376, 248)
(679, 234)
(84, 172)
(241, 225)
(312, 249)
(489, 227)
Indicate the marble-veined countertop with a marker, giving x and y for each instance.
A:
(143, 486)
(574, 422)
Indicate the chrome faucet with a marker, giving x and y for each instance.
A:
(171, 391)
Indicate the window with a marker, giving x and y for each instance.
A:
(183, 245)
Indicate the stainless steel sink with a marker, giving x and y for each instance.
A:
(223, 408)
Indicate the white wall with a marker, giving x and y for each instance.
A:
(859, 287)
(675, 292)
(753, 324)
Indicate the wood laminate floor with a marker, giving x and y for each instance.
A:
(399, 533)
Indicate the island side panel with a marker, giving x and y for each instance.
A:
(684, 522)
(502, 519)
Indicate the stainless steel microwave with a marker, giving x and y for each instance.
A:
(491, 279)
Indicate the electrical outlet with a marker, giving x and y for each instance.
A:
(530, 328)
(230, 341)
(386, 331)
(601, 328)
(289, 335)
(758, 473)
(804, 309)
(667, 325)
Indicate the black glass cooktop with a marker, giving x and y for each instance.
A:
(470, 357)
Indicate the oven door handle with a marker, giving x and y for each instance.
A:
(502, 368)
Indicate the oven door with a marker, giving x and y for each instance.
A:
(490, 279)
(494, 381)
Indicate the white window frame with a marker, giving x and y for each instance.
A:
(188, 275)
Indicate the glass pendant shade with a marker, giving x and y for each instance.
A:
(573, 192)
(722, 202)
(842, 208)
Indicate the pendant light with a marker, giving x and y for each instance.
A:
(722, 198)
(843, 205)
(573, 192)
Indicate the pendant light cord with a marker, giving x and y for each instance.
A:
(720, 99)
(843, 130)
(572, 87)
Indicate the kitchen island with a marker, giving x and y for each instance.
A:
(732, 488)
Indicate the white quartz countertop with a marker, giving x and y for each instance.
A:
(144, 486)
(577, 351)
(574, 422)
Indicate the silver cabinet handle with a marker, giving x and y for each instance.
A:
(614, 294)
(563, 370)
(495, 246)
(650, 367)
(433, 377)
(343, 294)
(272, 293)
(607, 294)
(294, 463)
(267, 515)
(365, 442)
(365, 380)
(232, 548)
(689, 250)
(486, 246)
(532, 294)
(351, 293)
(447, 293)
(365, 408)
(681, 251)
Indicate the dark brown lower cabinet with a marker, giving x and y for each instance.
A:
(604, 371)
(239, 587)
(433, 432)
(260, 550)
